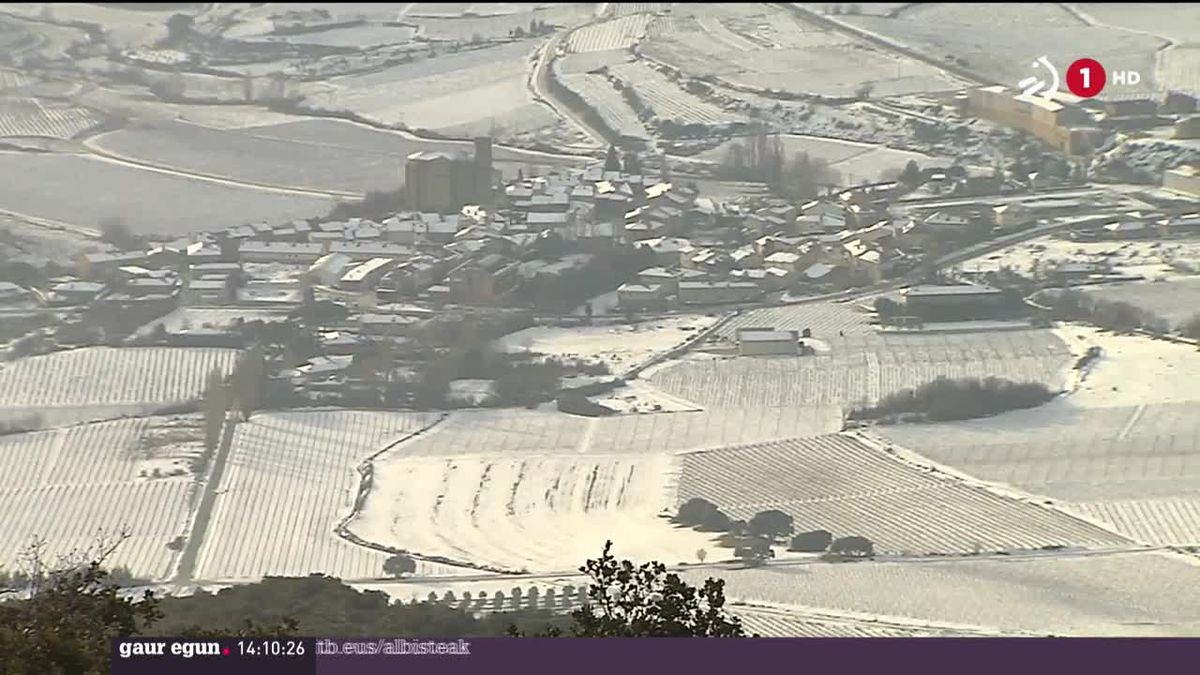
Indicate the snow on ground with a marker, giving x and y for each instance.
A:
(860, 365)
(96, 383)
(500, 487)
(185, 318)
(290, 480)
(520, 432)
(1122, 449)
(73, 485)
(1152, 259)
(562, 594)
(1120, 594)
(1175, 299)
(621, 347)
(473, 392)
(542, 513)
(838, 483)
(640, 397)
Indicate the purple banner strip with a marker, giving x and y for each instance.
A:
(377, 656)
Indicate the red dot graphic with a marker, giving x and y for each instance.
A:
(1085, 78)
(225, 651)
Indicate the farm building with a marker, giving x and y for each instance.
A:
(367, 275)
(767, 342)
(1188, 127)
(1128, 229)
(365, 250)
(388, 324)
(100, 265)
(75, 292)
(1013, 216)
(968, 300)
(281, 251)
(1184, 179)
(328, 268)
(1061, 123)
(715, 292)
(208, 291)
(638, 296)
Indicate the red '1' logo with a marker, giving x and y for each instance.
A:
(1085, 78)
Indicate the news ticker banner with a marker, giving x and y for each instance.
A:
(376, 656)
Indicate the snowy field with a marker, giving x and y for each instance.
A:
(1123, 594)
(1123, 449)
(765, 48)
(840, 484)
(548, 432)
(860, 365)
(1178, 23)
(480, 87)
(245, 156)
(509, 512)
(988, 35)
(339, 136)
(621, 347)
(30, 117)
(83, 190)
(73, 485)
(563, 594)
(1151, 259)
(96, 383)
(498, 487)
(1176, 299)
(290, 480)
(851, 159)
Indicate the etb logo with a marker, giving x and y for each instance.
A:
(1086, 78)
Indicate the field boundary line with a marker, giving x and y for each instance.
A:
(366, 471)
(197, 532)
(909, 457)
(97, 152)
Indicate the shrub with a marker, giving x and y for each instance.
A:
(852, 547)
(947, 399)
(816, 541)
(771, 524)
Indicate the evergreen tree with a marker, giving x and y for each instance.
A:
(612, 162)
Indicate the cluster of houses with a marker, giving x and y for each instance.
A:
(703, 251)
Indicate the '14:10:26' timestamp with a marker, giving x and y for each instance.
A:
(271, 648)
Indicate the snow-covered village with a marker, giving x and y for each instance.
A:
(429, 302)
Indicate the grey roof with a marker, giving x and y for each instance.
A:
(935, 291)
(755, 335)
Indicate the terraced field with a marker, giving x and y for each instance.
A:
(75, 486)
(511, 512)
(864, 367)
(1123, 594)
(667, 100)
(765, 48)
(599, 94)
(290, 480)
(838, 483)
(1123, 448)
(98, 383)
(619, 33)
(514, 433)
(30, 118)
(973, 34)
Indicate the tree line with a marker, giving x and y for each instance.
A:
(946, 399)
(752, 540)
(66, 624)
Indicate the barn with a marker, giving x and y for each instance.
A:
(767, 342)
